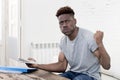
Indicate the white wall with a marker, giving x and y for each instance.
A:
(0, 20)
(39, 23)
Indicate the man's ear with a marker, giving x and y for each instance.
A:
(75, 21)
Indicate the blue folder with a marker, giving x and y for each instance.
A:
(9, 69)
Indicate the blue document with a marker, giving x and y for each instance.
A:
(9, 69)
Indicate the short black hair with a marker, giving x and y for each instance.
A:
(65, 10)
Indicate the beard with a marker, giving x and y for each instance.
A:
(68, 32)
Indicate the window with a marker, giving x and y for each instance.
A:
(13, 18)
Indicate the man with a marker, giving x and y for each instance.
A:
(78, 49)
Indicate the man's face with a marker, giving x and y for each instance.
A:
(67, 24)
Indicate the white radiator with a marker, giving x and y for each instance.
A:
(45, 53)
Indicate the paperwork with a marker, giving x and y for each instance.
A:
(26, 61)
(11, 69)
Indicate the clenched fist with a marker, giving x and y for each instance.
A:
(98, 37)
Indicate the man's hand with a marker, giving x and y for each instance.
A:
(98, 37)
(31, 65)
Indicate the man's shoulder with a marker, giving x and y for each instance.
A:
(86, 31)
(63, 38)
(86, 34)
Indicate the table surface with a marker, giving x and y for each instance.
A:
(36, 75)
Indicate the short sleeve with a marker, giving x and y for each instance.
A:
(92, 44)
(62, 44)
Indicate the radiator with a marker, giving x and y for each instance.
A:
(45, 53)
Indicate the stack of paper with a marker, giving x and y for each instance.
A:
(9, 69)
(26, 61)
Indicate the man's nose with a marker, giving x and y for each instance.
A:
(64, 25)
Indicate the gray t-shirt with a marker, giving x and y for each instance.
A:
(79, 53)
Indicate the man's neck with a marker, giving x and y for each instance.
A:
(74, 34)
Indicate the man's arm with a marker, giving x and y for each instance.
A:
(59, 66)
(101, 52)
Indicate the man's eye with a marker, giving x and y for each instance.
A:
(61, 22)
(67, 21)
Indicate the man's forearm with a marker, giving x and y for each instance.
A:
(104, 57)
(54, 67)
